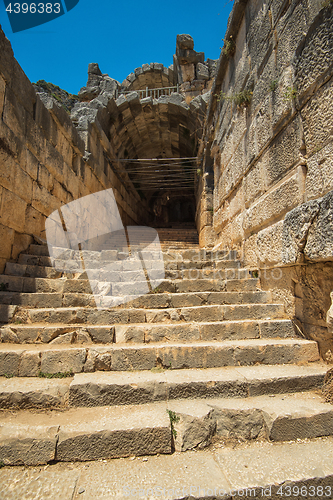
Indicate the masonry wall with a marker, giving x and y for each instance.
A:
(276, 152)
(44, 162)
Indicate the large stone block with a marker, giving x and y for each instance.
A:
(254, 181)
(14, 114)
(56, 361)
(7, 240)
(317, 115)
(296, 226)
(28, 444)
(34, 221)
(43, 201)
(319, 179)
(313, 57)
(274, 204)
(308, 233)
(23, 88)
(290, 30)
(269, 245)
(6, 58)
(284, 152)
(12, 211)
(319, 244)
(21, 243)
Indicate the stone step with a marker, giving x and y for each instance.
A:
(231, 383)
(204, 331)
(253, 470)
(70, 285)
(86, 315)
(184, 332)
(128, 271)
(96, 260)
(150, 301)
(35, 249)
(61, 334)
(237, 385)
(29, 360)
(83, 434)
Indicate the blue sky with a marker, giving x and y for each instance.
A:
(118, 35)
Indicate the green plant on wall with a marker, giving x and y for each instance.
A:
(229, 47)
(241, 99)
(174, 419)
(290, 94)
(273, 85)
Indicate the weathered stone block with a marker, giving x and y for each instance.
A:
(274, 204)
(14, 114)
(296, 227)
(202, 71)
(319, 179)
(269, 245)
(12, 211)
(319, 243)
(7, 239)
(62, 361)
(21, 242)
(29, 364)
(21, 446)
(316, 116)
(284, 152)
(313, 57)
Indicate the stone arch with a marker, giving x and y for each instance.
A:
(153, 76)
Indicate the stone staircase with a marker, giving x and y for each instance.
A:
(206, 356)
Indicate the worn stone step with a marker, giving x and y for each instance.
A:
(69, 285)
(31, 438)
(143, 333)
(137, 387)
(93, 260)
(69, 315)
(191, 253)
(255, 470)
(128, 273)
(152, 300)
(29, 360)
(275, 417)
(60, 334)
(34, 260)
(204, 331)
(231, 383)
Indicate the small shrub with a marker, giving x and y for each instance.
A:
(9, 375)
(1, 464)
(229, 47)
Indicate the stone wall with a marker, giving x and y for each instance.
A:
(269, 135)
(44, 162)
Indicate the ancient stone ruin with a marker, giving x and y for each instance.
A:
(215, 326)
